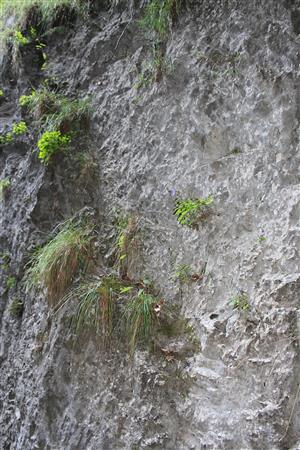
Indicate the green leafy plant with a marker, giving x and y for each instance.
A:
(55, 265)
(4, 260)
(50, 143)
(4, 184)
(19, 128)
(21, 39)
(1, 93)
(240, 302)
(16, 307)
(190, 211)
(183, 273)
(11, 282)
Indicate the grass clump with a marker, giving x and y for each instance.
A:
(50, 143)
(16, 308)
(43, 14)
(127, 228)
(4, 185)
(56, 111)
(183, 273)
(11, 282)
(55, 265)
(159, 16)
(95, 308)
(190, 211)
(140, 317)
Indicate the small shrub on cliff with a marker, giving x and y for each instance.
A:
(240, 302)
(4, 184)
(21, 39)
(1, 93)
(52, 142)
(190, 211)
(56, 264)
(16, 308)
(19, 128)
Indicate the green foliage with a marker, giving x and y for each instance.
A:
(20, 9)
(190, 211)
(6, 138)
(19, 128)
(183, 273)
(240, 302)
(4, 184)
(95, 301)
(21, 39)
(16, 308)
(127, 242)
(50, 143)
(55, 264)
(55, 111)
(1, 93)
(4, 260)
(158, 17)
(139, 317)
(11, 282)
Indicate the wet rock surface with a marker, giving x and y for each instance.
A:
(223, 121)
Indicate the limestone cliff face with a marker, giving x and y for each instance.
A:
(223, 120)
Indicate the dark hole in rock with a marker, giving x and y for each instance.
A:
(214, 316)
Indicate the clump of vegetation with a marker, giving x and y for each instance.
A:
(16, 307)
(4, 185)
(127, 241)
(190, 212)
(50, 143)
(95, 308)
(240, 301)
(1, 93)
(43, 14)
(55, 265)
(21, 39)
(11, 282)
(55, 111)
(183, 273)
(140, 317)
(159, 16)
(4, 260)
(19, 128)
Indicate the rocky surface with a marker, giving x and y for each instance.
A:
(223, 121)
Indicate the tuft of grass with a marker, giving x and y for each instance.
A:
(16, 308)
(183, 273)
(11, 282)
(56, 111)
(95, 308)
(190, 212)
(127, 227)
(4, 184)
(140, 318)
(45, 12)
(55, 265)
(158, 18)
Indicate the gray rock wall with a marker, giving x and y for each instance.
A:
(223, 121)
